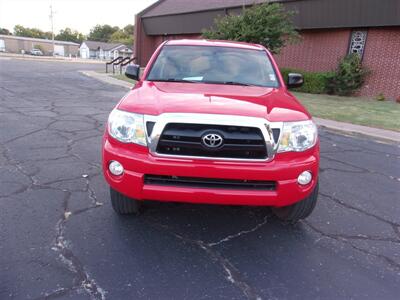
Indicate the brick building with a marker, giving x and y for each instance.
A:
(329, 29)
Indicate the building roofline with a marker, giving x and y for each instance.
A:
(147, 9)
(100, 44)
(194, 11)
(309, 14)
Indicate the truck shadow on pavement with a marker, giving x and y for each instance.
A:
(262, 256)
(220, 235)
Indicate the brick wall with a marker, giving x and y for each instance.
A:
(321, 50)
(382, 57)
(318, 50)
(145, 45)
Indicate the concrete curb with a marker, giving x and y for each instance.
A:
(107, 79)
(339, 126)
(364, 130)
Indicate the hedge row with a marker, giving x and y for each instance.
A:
(314, 83)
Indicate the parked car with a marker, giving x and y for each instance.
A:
(36, 52)
(212, 122)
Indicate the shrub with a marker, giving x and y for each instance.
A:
(398, 99)
(348, 77)
(266, 24)
(314, 82)
(380, 97)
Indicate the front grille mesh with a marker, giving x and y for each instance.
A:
(239, 141)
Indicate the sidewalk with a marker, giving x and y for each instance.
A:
(106, 78)
(334, 125)
(365, 130)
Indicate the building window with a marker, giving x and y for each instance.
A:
(357, 42)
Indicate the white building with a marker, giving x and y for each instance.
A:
(101, 50)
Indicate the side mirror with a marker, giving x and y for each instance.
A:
(132, 72)
(294, 80)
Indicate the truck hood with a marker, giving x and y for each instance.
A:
(155, 98)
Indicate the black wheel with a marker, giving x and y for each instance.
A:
(124, 205)
(299, 210)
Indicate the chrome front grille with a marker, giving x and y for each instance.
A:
(180, 135)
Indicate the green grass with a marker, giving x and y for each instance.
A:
(356, 110)
(123, 77)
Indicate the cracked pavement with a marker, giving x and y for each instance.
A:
(60, 239)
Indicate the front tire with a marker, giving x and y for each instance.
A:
(299, 210)
(124, 205)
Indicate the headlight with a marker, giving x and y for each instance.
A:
(298, 136)
(127, 127)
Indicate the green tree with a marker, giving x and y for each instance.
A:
(121, 36)
(20, 30)
(47, 35)
(68, 35)
(124, 35)
(266, 24)
(102, 33)
(129, 29)
(5, 31)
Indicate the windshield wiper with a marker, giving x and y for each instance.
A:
(176, 80)
(237, 83)
(200, 81)
(229, 83)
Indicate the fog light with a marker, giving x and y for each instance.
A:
(116, 168)
(304, 178)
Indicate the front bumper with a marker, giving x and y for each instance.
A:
(137, 161)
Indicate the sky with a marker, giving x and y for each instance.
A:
(80, 15)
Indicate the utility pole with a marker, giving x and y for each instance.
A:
(52, 25)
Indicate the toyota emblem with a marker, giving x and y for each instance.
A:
(212, 140)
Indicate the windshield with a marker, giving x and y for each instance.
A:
(210, 64)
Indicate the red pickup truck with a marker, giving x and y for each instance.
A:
(212, 122)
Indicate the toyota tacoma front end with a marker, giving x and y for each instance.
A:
(212, 122)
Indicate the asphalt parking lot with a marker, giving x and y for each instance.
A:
(60, 239)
